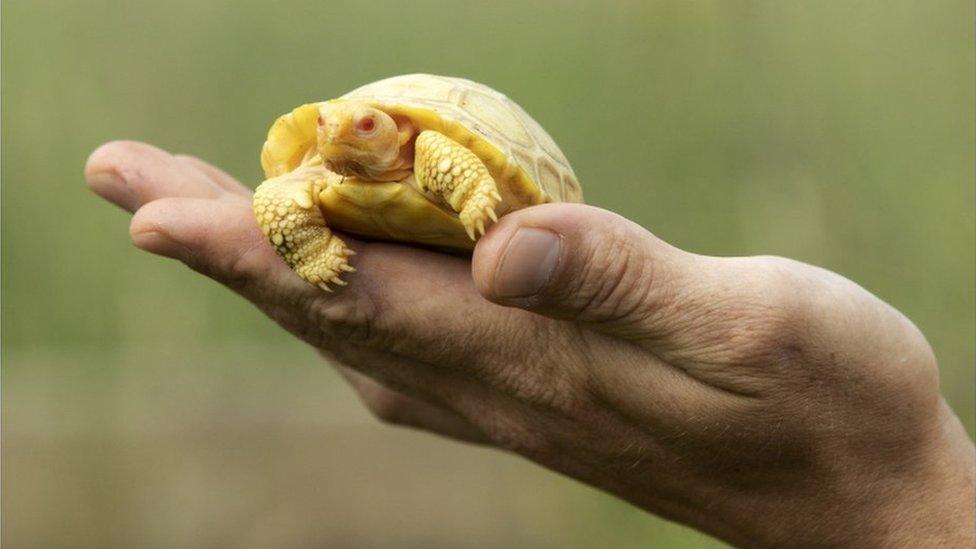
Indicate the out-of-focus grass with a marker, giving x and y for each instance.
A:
(205, 446)
(836, 133)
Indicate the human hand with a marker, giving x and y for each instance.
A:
(761, 400)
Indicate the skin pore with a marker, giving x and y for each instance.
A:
(358, 140)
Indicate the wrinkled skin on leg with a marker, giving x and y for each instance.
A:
(286, 208)
(453, 172)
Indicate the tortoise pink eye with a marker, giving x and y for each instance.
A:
(366, 124)
(321, 120)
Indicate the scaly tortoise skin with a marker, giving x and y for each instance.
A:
(414, 158)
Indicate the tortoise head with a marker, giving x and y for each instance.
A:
(358, 140)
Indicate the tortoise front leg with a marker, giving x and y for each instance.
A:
(286, 208)
(447, 168)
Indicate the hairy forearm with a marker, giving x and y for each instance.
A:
(939, 508)
(912, 497)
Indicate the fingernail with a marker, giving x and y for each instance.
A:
(113, 188)
(527, 263)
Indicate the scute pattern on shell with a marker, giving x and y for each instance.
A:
(490, 114)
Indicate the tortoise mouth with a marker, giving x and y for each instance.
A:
(352, 159)
(348, 169)
(342, 156)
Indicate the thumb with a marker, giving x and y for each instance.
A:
(571, 261)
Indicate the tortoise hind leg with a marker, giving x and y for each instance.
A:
(286, 208)
(447, 168)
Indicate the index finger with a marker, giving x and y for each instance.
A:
(402, 301)
(130, 174)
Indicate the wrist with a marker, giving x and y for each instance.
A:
(921, 496)
(935, 506)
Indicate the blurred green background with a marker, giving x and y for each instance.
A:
(146, 406)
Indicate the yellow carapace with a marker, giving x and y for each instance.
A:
(416, 158)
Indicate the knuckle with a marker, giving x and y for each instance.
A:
(249, 264)
(765, 321)
(387, 406)
(764, 335)
(773, 326)
(792, 310)
(118, 156)
(613, 279)
(348, 316)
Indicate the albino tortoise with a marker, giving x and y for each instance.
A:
(414, 158)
